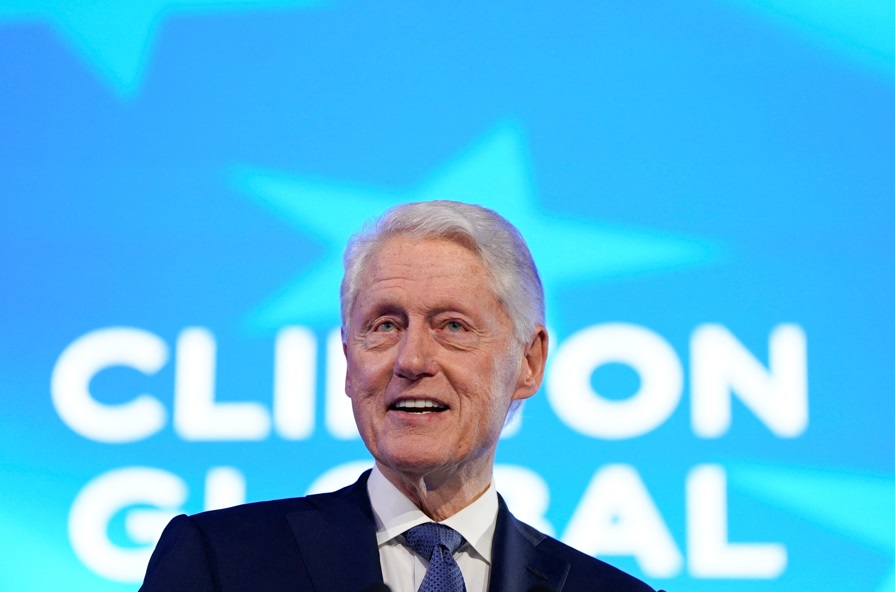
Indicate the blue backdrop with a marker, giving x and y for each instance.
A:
(706, 186)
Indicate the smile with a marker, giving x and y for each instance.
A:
(418, 406)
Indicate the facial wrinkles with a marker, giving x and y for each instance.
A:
(390, 298)
(505, 377)
(416, 291)
(494, 387)
(414, 301)
(497, 392)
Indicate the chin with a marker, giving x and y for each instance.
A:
(412, 464)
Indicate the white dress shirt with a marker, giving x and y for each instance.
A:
(402, 569)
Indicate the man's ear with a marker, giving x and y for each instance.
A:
(534, 360)
(348, 390)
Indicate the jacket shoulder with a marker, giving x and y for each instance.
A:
(249, 547)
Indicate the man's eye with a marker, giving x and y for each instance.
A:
(386, 326)
(454, 327)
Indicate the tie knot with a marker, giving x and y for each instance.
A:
(423, 538)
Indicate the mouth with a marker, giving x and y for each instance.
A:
(418, 406)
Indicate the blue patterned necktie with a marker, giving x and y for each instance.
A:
(437, 543)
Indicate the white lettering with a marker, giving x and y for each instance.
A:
(721, 366)
(526, 493)
(110, 493)
(574, 400)
(225, 487)
(196, 414)
(294, 383)
(617, 516)
(710, 555)
(83, 359)
(339, 416)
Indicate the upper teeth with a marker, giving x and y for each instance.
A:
(417, 403)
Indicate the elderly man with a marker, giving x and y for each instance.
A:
(443, 332)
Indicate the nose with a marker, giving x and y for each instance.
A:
(415, 357)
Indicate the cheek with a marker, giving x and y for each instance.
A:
(503, 377)
(367, 381)
(360, 369)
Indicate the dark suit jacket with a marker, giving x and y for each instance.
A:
(327, 543)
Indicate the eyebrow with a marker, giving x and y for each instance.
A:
(438, 310)
(386, 307)
(389, 307)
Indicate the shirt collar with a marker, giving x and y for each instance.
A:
(395, 513)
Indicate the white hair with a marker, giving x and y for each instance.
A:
(515, 280)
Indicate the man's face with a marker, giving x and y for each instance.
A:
(432, 361)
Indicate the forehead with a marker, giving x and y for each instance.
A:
(429, 267)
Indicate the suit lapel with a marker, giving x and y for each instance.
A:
(336, 536)
(516, 562)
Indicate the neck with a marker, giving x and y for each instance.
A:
(437, 495)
